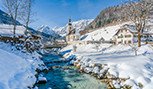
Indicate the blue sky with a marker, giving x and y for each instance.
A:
(57, 12)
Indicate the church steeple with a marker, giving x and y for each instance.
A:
(69, 26)
(69, 20)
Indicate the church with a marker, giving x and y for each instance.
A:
(72, 34)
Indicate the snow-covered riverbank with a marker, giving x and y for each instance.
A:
(119, 60)
(17, 68)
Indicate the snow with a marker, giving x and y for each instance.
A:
(105, 32)
(46, 29)
(116, 84)
(7, 30)
(35, 87)
(17, 68)
(121, 62)
(15, 72)
(88, 70)
(41, 78)
(104, 69)
(96, 70)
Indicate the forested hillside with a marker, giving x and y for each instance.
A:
(107, 16)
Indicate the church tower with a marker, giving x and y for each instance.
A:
(69, 26)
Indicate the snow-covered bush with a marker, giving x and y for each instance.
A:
(32, 45)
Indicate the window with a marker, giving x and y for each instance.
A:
(129, 42)
(126, 36)
(145, 36)
(120, 36)
(120, 42)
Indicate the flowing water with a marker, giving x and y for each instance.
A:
(60, 78)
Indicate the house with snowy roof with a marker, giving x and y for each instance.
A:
(72, 34)
(127, 35)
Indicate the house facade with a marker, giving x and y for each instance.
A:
(129, 36)
(72, 35)
(124, 36)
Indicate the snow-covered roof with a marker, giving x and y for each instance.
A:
(7, 30)
(132, 29)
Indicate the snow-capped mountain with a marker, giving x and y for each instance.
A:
(45, 29)
(78, 25)
(50, 34)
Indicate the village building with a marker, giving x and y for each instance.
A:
(127, 35)
(72, 34)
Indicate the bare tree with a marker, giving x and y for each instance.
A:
(13, 7)
(97, 46)
(134, 48)
(26, 13)
(138, 12)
